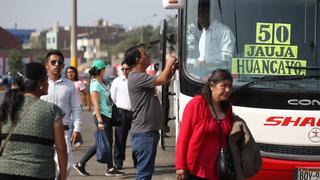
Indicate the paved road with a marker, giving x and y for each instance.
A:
(164, 162)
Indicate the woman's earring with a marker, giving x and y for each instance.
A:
(40, 87)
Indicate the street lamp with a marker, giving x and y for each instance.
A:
(145, 19)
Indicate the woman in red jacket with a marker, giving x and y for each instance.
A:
(198, 140)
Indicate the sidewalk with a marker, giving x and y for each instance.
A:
(165, 166)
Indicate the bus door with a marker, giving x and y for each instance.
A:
(166, 46)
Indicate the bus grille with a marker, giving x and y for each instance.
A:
(291, 150)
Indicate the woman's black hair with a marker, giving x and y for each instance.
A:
(95, 72)
(76, 77)
(217, 76)
(27, 80)
(131, 55)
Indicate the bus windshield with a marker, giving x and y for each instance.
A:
(252, 39)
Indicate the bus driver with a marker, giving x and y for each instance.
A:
(216, 42)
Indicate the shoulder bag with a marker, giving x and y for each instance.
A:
(114, 116)
(225, 164)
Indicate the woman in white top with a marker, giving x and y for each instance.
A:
(72, 74)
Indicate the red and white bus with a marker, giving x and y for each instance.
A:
(276, 67)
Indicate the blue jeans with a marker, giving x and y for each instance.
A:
(144, 146)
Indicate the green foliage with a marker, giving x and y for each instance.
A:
(40, 57)
(15, 61)
(172, 24)
(148, 35)
(128, 39)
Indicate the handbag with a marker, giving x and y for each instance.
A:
(103, 148)
(226, 169)
(114, 119)
(225, 164)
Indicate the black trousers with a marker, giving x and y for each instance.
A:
(121, 134)
(92, 150)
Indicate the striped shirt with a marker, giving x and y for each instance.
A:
(63, 93)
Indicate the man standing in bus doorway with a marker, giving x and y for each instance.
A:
(146, 108)
(216, 43)
(62, 92)
(120, 97)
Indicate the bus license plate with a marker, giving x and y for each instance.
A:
(308, 174)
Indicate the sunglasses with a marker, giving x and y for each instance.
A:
(125, 69)
(54, 62)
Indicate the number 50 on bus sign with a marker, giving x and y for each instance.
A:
(273, 33)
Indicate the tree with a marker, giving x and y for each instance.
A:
(15, 61)
(40, 57)
(151, 39)
(172, 24)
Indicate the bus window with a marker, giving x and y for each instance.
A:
(210, 43)
(252, 42)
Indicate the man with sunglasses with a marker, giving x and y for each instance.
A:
(120, 96)
(62, 92)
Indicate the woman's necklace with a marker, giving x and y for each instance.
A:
(217, 116)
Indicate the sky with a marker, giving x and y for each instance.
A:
(43, 14)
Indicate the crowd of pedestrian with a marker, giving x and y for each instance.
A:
(40, 118)
(42, 92)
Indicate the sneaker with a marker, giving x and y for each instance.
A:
(167, 129)
(80, 169)
(119, 166)
(166, 135)
(114, 172)
(77, 144)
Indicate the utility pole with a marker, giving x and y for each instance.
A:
(73, 48)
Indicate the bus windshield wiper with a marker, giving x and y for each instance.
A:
(310, 68)
(273, 78)
(283, 77)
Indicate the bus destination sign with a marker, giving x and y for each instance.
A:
(272, 54)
